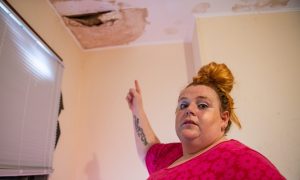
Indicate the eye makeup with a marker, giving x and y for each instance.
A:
(184, 103)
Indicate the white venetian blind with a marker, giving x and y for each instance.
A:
(30, 79)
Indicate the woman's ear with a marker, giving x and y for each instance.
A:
(225, 118)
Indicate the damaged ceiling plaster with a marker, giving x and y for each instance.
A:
(101, 24)
(259, 4)
(110, 23)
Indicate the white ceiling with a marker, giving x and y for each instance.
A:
(173, 20)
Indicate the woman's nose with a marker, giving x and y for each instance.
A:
(190, 110)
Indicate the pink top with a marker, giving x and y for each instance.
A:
(228, 160)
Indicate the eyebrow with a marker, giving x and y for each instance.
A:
(198, 97)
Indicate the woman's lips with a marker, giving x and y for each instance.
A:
(187, 122)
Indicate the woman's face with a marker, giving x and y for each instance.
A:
(198, 115)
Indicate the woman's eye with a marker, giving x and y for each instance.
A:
(202, 106)
(183, 105)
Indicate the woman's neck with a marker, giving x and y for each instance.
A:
(192, 149)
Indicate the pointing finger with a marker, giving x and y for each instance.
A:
(137, 87)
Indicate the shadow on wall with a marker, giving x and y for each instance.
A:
(92, 168)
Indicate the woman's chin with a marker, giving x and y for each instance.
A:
(189, 133)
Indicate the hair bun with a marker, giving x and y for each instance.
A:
(217, 75)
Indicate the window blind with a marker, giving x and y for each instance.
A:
(30, 79)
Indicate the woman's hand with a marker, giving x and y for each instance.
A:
(144, 135)
(134, 99)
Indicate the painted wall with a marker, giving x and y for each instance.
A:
(108, 75)
(43, 20)
(97, 139)
(263, 52)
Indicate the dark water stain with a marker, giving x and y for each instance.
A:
(270, 3)
(201, 8)
(259, 4)
(95, 29)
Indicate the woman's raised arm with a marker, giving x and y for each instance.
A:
(144, 135)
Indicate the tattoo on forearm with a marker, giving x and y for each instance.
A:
(139, 130)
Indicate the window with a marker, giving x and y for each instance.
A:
(30, 79)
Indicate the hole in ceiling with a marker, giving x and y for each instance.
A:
(96, 19)
(102, 23)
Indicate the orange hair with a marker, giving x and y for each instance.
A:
(220, 78)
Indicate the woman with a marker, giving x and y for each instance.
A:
(204, 115)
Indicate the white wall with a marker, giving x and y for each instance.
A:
(263, 52)
(97, 136)
(108, 75)
(97, 139)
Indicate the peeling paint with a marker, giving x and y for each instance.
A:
(259, 4)
(122, 31)
(99, 23)
(201, 8)
(75, 8)
(271, 3)
(123, 5)
(242, 6)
